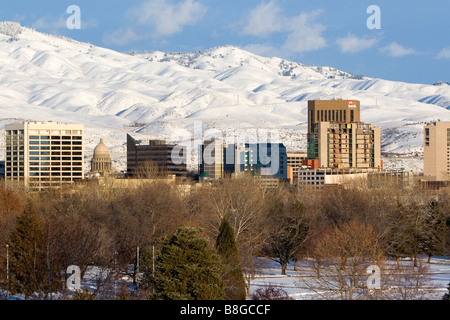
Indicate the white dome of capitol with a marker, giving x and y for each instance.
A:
(101, 149)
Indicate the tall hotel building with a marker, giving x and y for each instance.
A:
(41, 155)
(436, 156)
(337, 137)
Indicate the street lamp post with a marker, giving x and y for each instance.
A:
(7, 271)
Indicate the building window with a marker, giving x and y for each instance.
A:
(448, 137)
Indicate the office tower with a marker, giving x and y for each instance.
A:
(41, 155)
(345, 111)
(436, 156)
(211, 159)
(258, 159)
(295, 161)
(216, 160)
(338, 139)
(157, 155)
(263, 159)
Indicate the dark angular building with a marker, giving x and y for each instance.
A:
(157, 154)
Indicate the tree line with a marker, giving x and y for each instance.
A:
(203, 243)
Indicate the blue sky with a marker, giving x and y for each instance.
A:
(412, 43)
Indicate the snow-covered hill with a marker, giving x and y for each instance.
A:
(166, 95)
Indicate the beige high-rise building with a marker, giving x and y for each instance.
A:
(41, 155)
(436, 156)
(294, 163)
(347, 145)
(338, 139)
(332, 111)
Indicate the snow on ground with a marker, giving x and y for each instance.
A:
(293, 283)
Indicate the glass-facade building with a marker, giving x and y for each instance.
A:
(40, 155)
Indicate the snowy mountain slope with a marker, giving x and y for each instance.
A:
(221, 59)
(166, 95)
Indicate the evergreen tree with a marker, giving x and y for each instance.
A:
(185, 268)
(397, 236)
(447, 295)
(28, 266)
(435, 233)
(414, 229)
(227, 249)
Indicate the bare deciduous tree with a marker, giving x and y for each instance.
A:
(404, 282)
(288, 228)
(344, 253)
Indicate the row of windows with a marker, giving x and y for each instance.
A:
(313, 178)
(14, 143)
(311, 183)
(10, 161)
(16, 170)
(43, 147)
(9, 132)
(55, 164)
(35, 181)
(56, 169)
(318, 175)
(46, 166)
(56, 153)
(56, 137)
(67, 136)
(46, 142)
(45, 153)
(45, 150)
(14, 174)
(56, 174)
(45, 173)
(334, 115)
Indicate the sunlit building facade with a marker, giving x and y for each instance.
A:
(40, 155)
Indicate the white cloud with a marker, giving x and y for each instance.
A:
(50, 25)
(263, 20)
(167, 18)
(354, 44)
(396, 50)
(55, 25)
(302, 32)
(306, 35)
(444, 53)
(159, 18)
(121, 37)
(265, 50)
